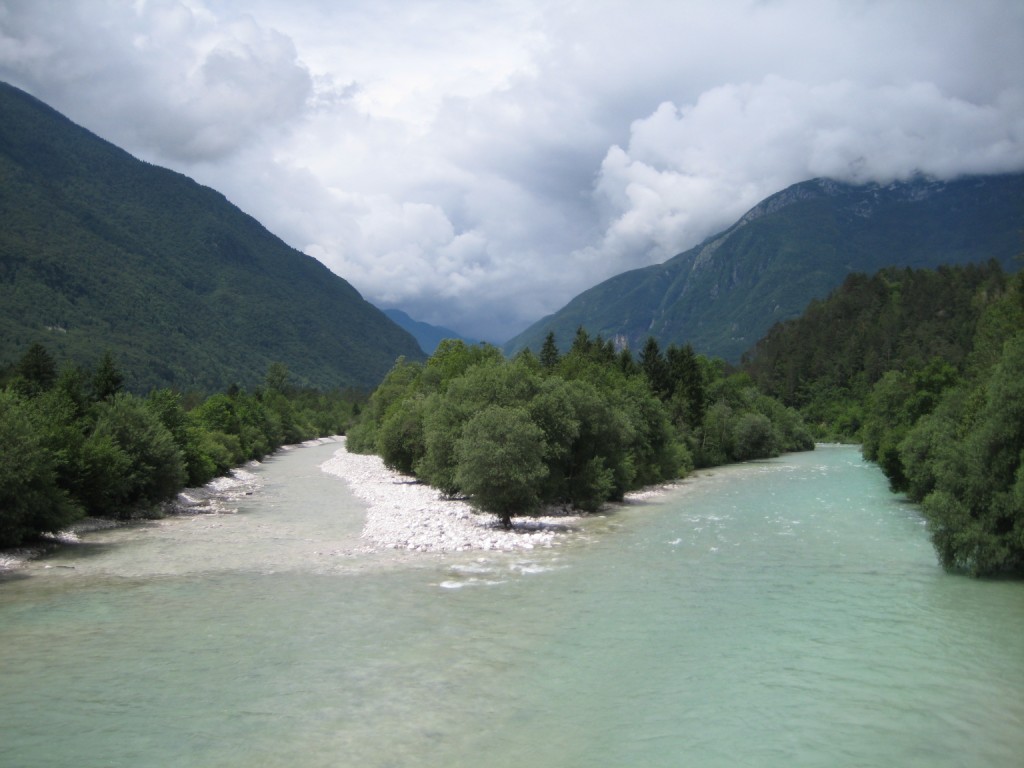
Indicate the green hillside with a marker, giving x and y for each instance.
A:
(100, 251)
(795, 246)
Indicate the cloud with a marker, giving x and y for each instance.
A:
(479, 164)
(167, 79)
(689, 171)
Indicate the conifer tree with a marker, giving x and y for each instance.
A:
(549, 352)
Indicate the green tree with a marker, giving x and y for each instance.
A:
(442, 427)
(600, 467)
(167, 406)
(453, 358)
(896, 403)
(134, 458)
(656, 369)
(688, 396)
(107, 379)
(277, 378)
(753, 438)
(975, 513)
(715, 444)
(554, 411)
(500, 461)
(549, 352)
(400, 437)
(31, 502)
(402, 380)
(37, 370)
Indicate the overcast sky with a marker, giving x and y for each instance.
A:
(478, 164)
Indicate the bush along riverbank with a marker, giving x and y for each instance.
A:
(75, 444)
(573, 430)
(925, 368)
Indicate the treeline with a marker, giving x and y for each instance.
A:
(578, 429)
(926, 369)
(75, 443)
(826, 362)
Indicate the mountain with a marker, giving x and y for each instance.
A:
(101, 251)
(427, 336)
(795, 246)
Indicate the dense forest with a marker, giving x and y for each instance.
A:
(100, 251)
(577, 429)
(74, 442)
(926, 369)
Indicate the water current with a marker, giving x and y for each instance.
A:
(779, 613)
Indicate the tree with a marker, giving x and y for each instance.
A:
(37, 369)
(687, 385)
(166, 405)
(601, 465)
(656, 369)
(107, 380)
(976, 512)
(442, 427)
(277, 378)
(402, 380)
(753, 438)
(500, 461)
(400, 440)
(581, 429)
(30, 500)
(135, 457)
(454, 357)
(549, 352)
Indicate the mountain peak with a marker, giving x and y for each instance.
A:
(794, 246)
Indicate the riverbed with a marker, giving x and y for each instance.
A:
(780, 613)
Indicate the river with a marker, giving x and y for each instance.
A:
(780, 613)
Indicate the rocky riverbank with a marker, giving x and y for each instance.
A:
(405, 514)
(220, 496)
(401, 512)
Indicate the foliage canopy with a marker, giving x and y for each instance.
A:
(577, 429)
(75, 444)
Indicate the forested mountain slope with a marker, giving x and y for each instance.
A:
(100, 251)
(827, 361)
(795, 246)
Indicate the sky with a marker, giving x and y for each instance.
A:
(479, 164)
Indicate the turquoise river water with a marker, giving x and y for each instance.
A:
(779, 613)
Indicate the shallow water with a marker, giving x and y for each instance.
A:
(779, 613)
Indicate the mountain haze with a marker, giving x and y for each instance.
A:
(795, 246)
(101, 251)
(428, 336)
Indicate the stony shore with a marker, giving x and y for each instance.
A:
(401, 512)
(405, 514)
(220, 496)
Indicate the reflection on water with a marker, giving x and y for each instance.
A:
(782, 613)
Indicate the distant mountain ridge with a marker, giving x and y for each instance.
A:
(99, 250)
(427, 336)
(796, 245)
